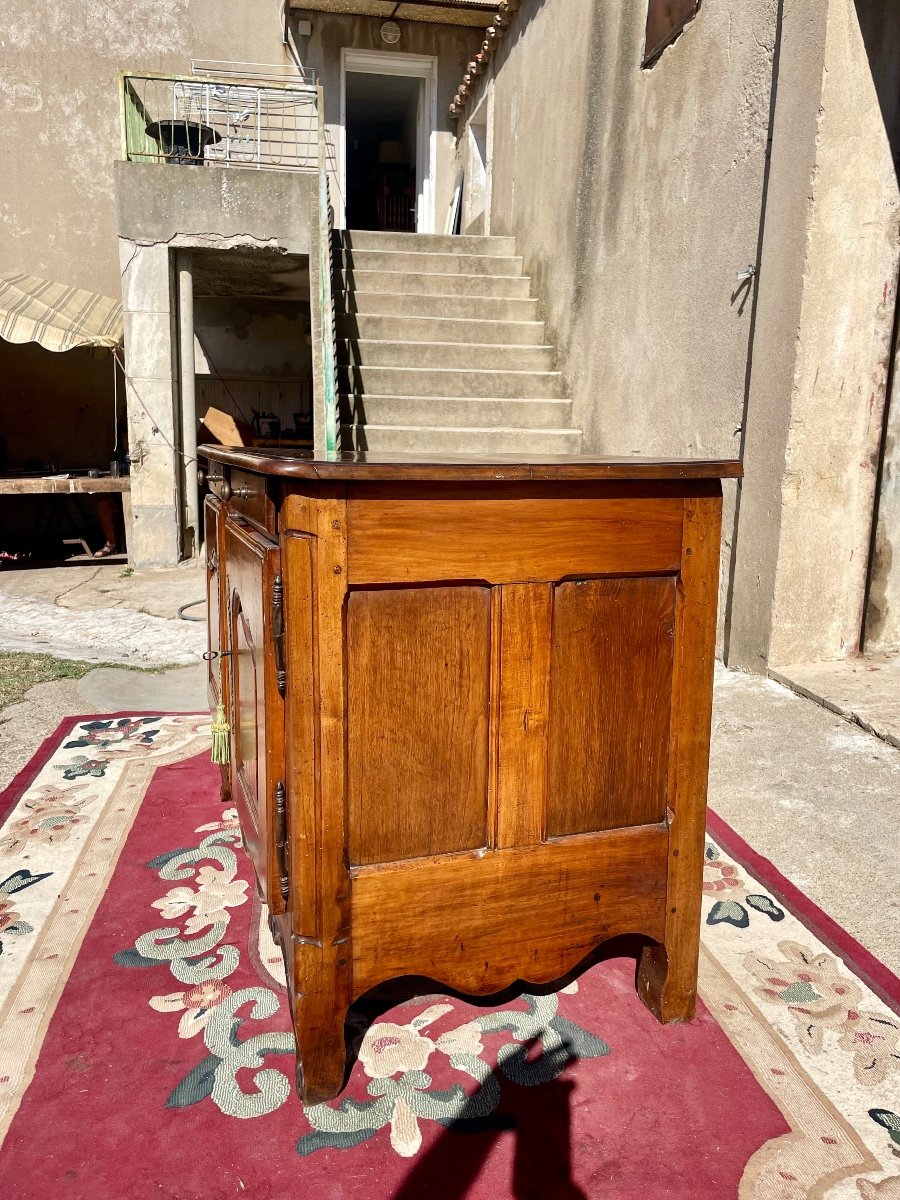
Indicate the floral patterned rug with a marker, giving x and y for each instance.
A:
(145, 1045)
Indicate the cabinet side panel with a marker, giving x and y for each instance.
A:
(418, 676)
(610, 703)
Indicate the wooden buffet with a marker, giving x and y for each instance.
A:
(470, 710)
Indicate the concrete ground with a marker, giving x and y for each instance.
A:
(806, 787)
(102, 613)
(818, 796)
(865, 690)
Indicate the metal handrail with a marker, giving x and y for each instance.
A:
(219, 121)
(325, 419)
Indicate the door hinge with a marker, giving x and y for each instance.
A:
(281, 846)
(278, 634)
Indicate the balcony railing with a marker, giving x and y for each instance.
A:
(221, 122)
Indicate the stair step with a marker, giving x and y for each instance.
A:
(439, 283)
(440, 243)
(478, 412)
(439, 381)
(403, 304)
(440, 329)
(410, 439)
(451, 264)
(471, 356)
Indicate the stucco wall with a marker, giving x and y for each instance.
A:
(452, 45)
(846, 325)
(826, 313)
(161, 209)
(59, 111)
(882, 632)
(635, 198)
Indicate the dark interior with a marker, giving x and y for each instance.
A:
(382, 115)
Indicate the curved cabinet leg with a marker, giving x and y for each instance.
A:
(321, 1049)
(667, 984)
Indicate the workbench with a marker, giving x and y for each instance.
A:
(76, 485)
(470, 709)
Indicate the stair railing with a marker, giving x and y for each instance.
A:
(325, 410)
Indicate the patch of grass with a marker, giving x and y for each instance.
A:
(126, 573)
(20, 671)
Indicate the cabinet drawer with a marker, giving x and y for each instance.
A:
(244, 492)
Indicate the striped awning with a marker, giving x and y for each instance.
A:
(56, 316)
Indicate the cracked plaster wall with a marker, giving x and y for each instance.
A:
(59, 110)
(160, 210)
(637, 195)
(635, 198)
(822, 346)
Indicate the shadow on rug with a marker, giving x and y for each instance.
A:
(145, 1044)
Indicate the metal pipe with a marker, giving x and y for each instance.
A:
(190, 505)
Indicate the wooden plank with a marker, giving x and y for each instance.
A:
(419, 666)
(480, 922)
(511, 541)
(392, 467)
(319, 968)
(524, 713)
(667, 980)
(80, 484)
(494, 716)
(610, 700)
(298, 556)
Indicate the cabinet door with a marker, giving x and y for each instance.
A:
(217, 633)
(253, 588)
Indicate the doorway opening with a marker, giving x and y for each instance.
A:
(388, 126)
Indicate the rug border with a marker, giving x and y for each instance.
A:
(879, 978)
(22, 780)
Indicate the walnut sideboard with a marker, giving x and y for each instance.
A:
(470, 711)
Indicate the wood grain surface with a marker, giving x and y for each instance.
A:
(524, 685)
(511, 541)
(320, 966)
(498, 711)
(257, 710)
(667, 980)
(480, 922)
(417, 693)
(350, 466)
(610, 700)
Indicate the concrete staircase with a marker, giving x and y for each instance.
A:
(441, 350)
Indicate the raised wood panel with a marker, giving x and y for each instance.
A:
(479, 923)
(511, 540)
(257, 711)
(418, 668)
(525, 612)
(610, 703)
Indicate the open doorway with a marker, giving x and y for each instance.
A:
(388, 127)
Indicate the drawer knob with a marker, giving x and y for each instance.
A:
(242, 492)
(225, 491)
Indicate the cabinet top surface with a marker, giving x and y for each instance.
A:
(299, 464)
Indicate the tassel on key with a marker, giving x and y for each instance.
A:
(220, 736)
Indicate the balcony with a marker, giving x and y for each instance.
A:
(223, 121)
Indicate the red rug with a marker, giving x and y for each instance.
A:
(145, 1048)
